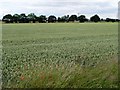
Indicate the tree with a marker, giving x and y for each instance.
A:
(95, 18)
(59, 19)
(82, 18)
(23, 18)
(7, 18)
(42, 19)
(32, 17)
(110, 20)
(51, 19)
(73, 18)
(16, 18)
(117, 20)
(63, 18)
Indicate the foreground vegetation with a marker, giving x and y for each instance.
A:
(70, 55)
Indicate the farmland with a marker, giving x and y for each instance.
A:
(60, 55)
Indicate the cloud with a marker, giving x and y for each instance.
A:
(105, 8)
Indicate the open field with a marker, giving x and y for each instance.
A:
(60, 55)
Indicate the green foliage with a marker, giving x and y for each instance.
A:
(42, 19)
(52, 19)
(95, 18)
(8, 18)
(82, 19)
(70, 55)
(32, 17)
(73, 18)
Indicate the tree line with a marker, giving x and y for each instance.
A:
(32, 18)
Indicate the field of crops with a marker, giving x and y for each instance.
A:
(61, 55)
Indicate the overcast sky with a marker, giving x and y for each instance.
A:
(104, 8)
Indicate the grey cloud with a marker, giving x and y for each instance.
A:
(67, 4)
(59, 8)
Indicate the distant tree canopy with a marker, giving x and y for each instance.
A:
(95, 18)
(73, 18)
(63, 18)
(32, 18)
(111, 20)
(52, 19)
(8, 18)
(42, 19)
(23, 18)
(16, 18)
(82, 18)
